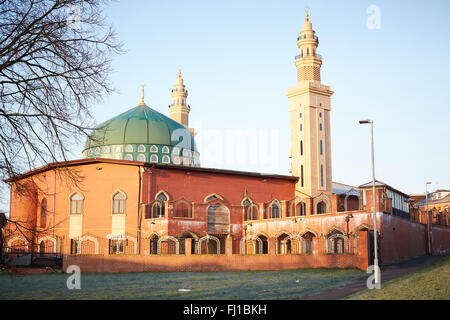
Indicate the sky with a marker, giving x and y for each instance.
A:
(237, 61)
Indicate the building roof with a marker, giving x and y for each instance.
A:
(379, 183)
(72, 163)
(423, 202)
(141, 125)
(340, 188)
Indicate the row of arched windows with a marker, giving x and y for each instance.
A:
(118, 203)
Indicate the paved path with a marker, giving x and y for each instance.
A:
(387, 274)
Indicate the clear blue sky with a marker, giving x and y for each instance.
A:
(237, 59)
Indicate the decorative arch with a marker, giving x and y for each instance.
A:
(164, 193)
(281, 245)
(44, 239)
(334, 228)
(243, 243)
(307, 241)
(362, 227)
(250, 209)
(93, 239)
(275, 204)
(76, 203)
(337, 242)
(348, 196)
(211, 196)
(177, 243)
(182, 208)
(190, 233)
(322, 198)
(218, 217)
(208, 237)
(309, 230)
(119, 199)
(10, 241)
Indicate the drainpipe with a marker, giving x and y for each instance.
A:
(139, 214)
(54, 209)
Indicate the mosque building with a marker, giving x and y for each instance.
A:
(145, 203)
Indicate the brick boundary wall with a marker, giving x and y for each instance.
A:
(440, 237)
(402, 239)
(207, 263)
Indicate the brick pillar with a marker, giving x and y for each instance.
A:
(316, 243)
(229, 246)
(362, 249)
(272, 246)
(187, 246)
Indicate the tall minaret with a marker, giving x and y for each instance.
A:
(179, 110)
(309, 106)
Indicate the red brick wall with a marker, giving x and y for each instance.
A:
(205, 263)
(401, 239)
(440, 237)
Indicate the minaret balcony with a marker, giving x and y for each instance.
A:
(319, 56)
(307, 37)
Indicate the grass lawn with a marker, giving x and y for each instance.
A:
(430, 283)
(252, 285)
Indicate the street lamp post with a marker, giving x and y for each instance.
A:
(428, 219)
(375, 242)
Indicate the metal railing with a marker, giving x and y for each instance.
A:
(304, 37)
(301, 56)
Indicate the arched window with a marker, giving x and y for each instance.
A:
(153, 158)
(321, 147)
(250, 210)
(321, 207)
(307, 240)
(336, 241)
(320, 126)
(141, 157)
(213, 197)
(129, 157)
(76, 204)
(176, 160)
(176, 151)
(141, 148)
(165, 149)
(129, 148)
(301, 147)
(300, 209)
(275, 210)
(307, 52)
(159, 207)
(43, 213)
(118, 203)
(97, 150)
(153, 148)
(166, 159)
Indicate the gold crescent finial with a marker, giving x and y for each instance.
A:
(142, 95)
(307, 10)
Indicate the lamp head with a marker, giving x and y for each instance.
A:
(365, 121)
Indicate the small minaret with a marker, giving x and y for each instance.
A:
(179, 110)
(309, 107)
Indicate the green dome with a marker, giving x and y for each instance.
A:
(141, 134)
